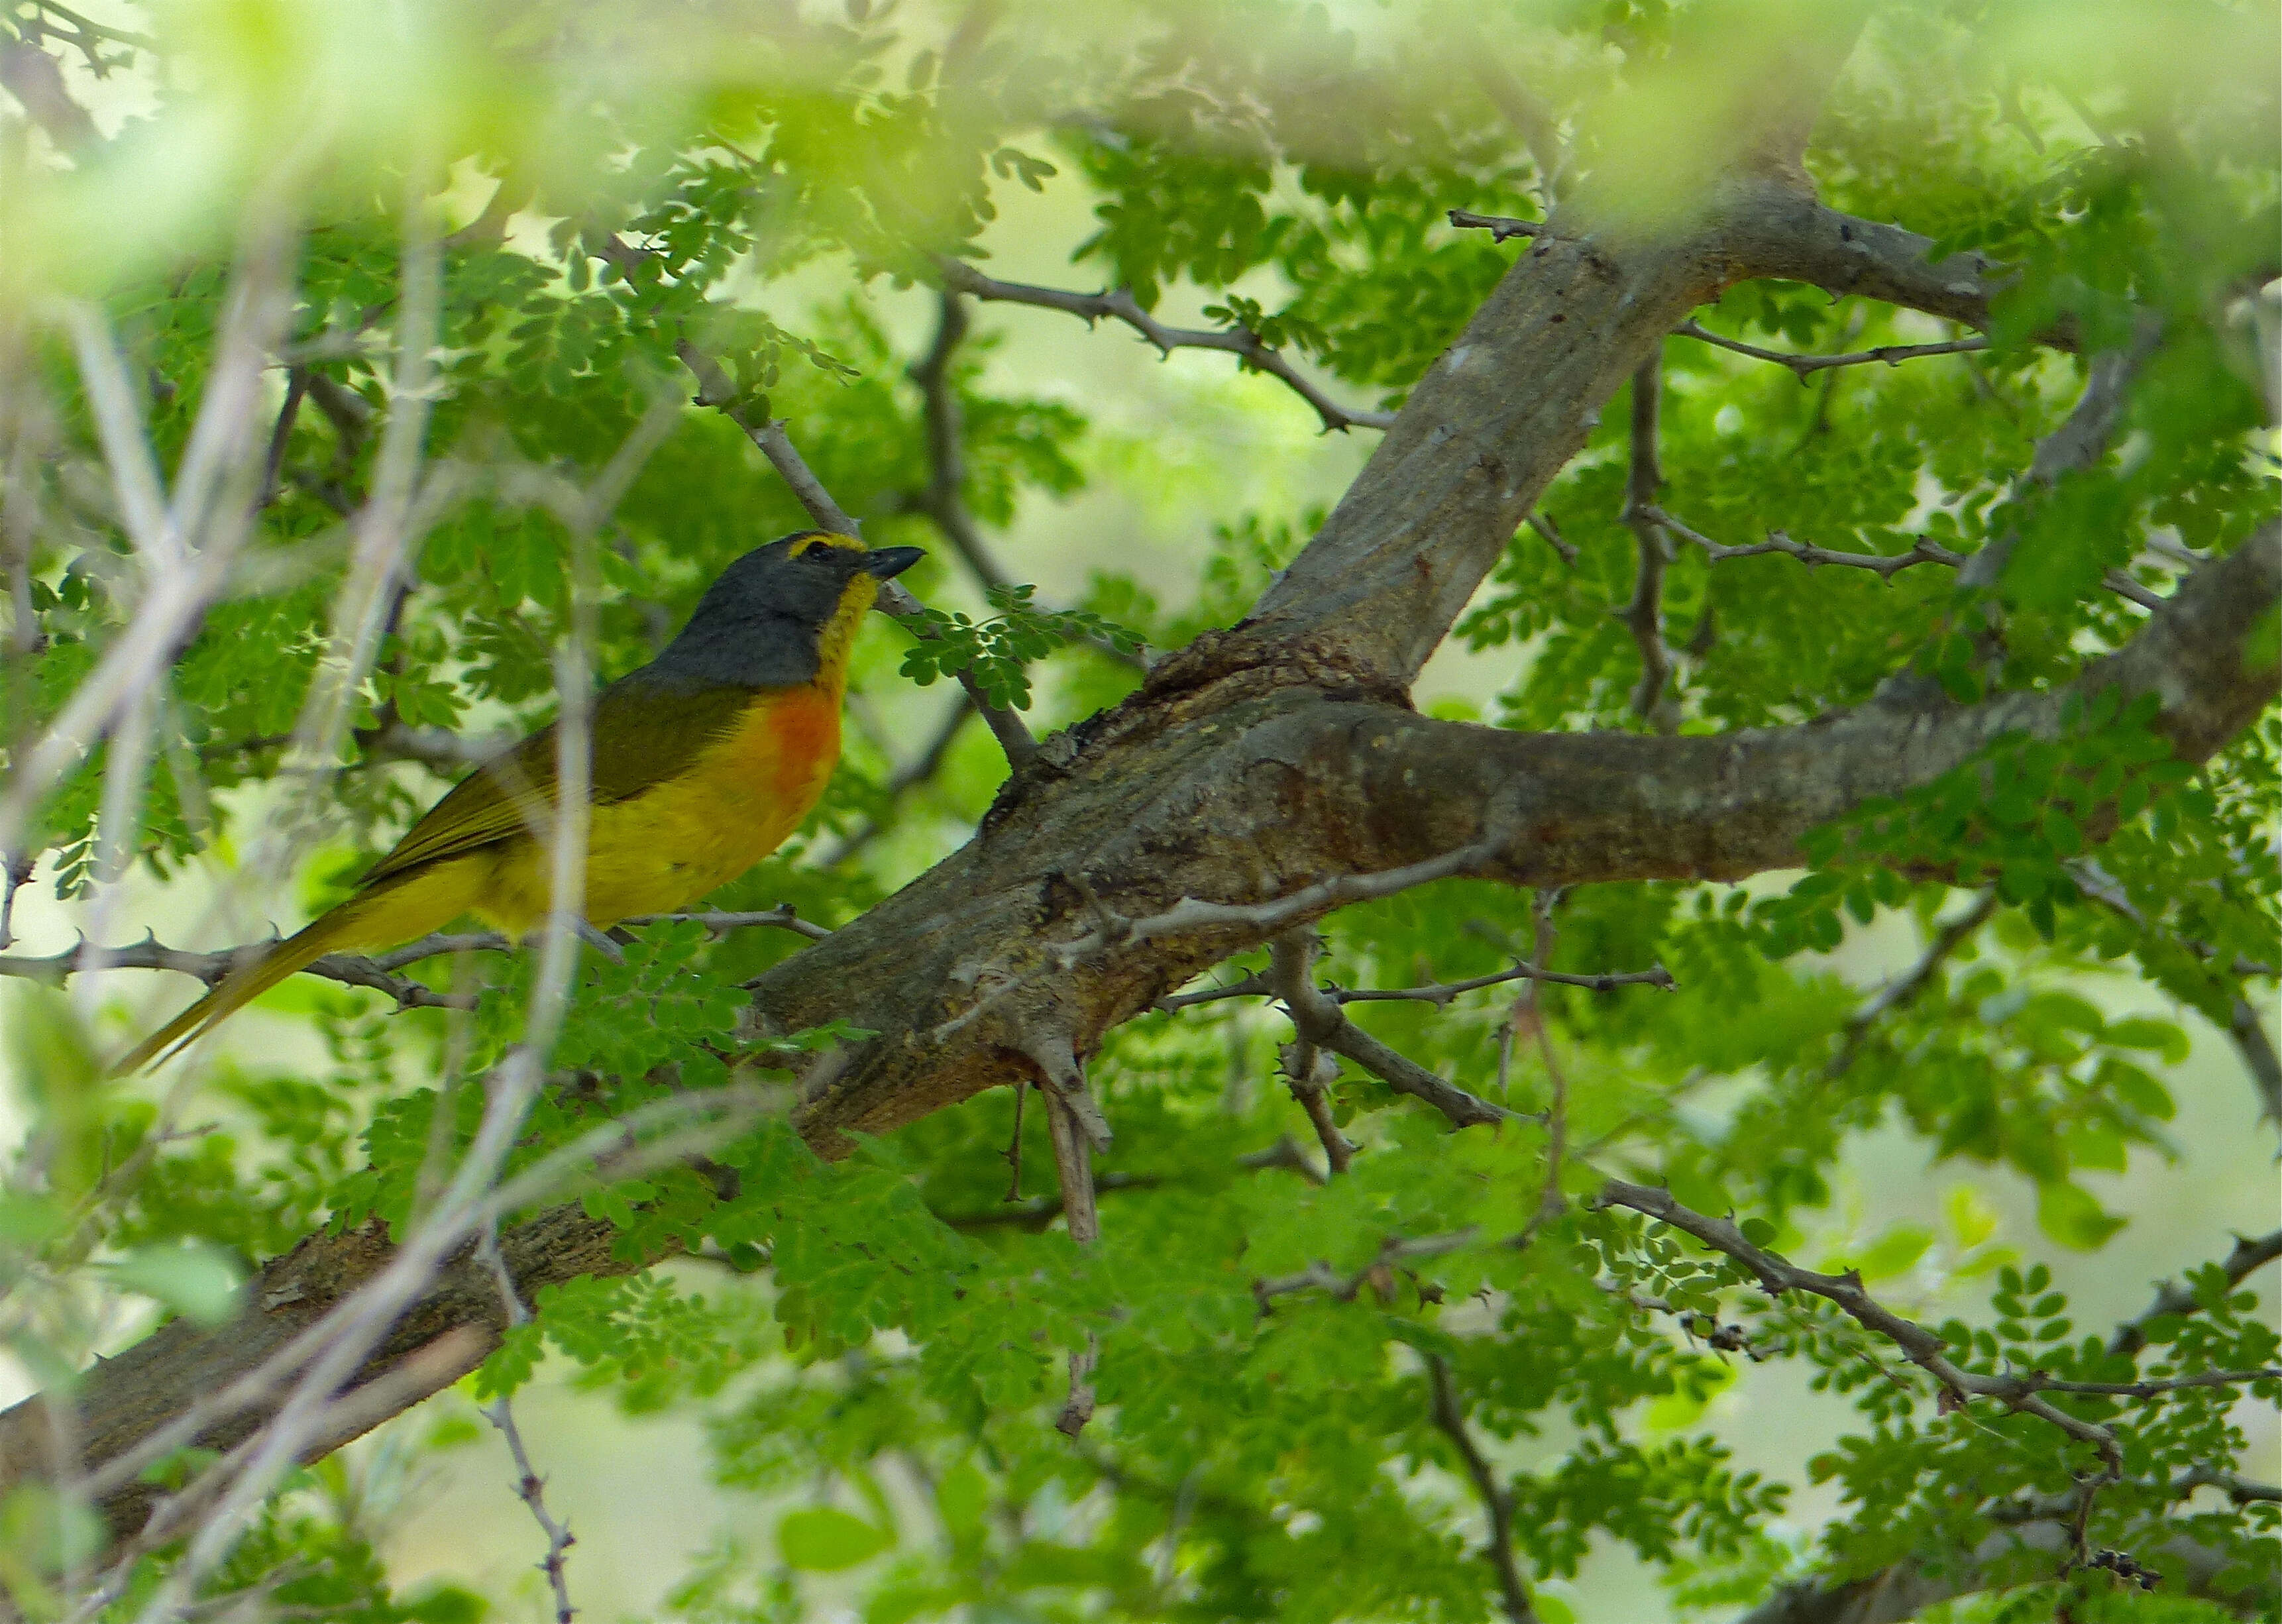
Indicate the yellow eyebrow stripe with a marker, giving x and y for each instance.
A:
(822, 538)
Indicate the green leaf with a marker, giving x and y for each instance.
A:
(824, 1539)
(2069, 1215)
(199, 1282)
(1895, 1251)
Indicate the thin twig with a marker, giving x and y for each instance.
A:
(2250, 1253)
(1451, 1416)
(1652, 698)
(1804, 365)
(1904, 989)
(1438, 993)
(1321, 1022)
(1120, 305)
(1922, 1348)
(375, 971)
(943, 500)
(1885, 565)
(1320, 1276)
(528, 1486)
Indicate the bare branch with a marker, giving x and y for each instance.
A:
(1652, 700)
(1904, 991)
(2246, 1026)
(349, 969)
(1321, 1022)
(500, 1414)
(1542, 523)
(1502, 226)
(375, 971)
(1320, 1276)
(943, 501)
(2064, 1507)
(1806, 366)
(532, 1491)
(784, 916)
(1308, 1070)
(1885, 565)
(2171, 1300)
(1119, 304)
(1919, 1345)
(1439, 994)
(1451, 1416)
(2036, 1382)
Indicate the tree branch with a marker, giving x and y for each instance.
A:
(375, 971)
(1120, 305)
(1804, 365)
(1438, 993)
(1904, 991)
(1320, 1022)
(1255, 791)
(1919, 1345)
(1652, 698)
(1450, 1418)
(943, 501)
(1907, 1589)
(1885, 565)
(2171, 1300)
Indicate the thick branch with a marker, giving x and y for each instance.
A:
(123, 1401)
(1194, 829)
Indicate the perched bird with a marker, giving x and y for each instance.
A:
(703, 761)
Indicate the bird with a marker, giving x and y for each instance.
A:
(701, 762)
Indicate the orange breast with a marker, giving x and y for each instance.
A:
(783, 754)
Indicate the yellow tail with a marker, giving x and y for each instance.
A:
(327, 931)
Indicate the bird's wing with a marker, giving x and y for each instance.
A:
(641, 737)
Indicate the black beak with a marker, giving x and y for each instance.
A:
(889, 561)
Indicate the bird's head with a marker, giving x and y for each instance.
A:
(785, 611)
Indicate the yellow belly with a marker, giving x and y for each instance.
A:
(653, 853)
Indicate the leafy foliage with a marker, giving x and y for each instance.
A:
(1986, 984)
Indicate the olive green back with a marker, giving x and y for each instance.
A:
(643, 733)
